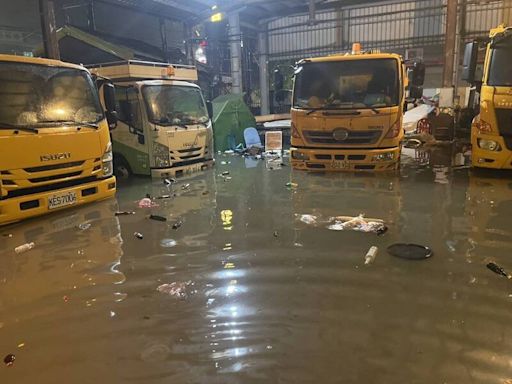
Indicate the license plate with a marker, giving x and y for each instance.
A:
(61, 200)
(340, 164)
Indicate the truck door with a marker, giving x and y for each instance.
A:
(130, 140)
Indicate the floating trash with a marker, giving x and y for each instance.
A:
(177, 224)
(9, 359)
(169, 181)
(124, 213)
(381, 231)
(276, 234)
(371, 255)
(168, 243)
(138, 235)
(157, 218)
(358, 223)
(164, 197)
(308, 219)
(176, 289)
(147, 203)
(410, 251)
(291, 185)
(84, 226)
(225, 173)
(499, 270)
(24, 248)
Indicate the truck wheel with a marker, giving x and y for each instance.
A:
(121, 168)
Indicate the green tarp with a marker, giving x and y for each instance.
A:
(230, 117)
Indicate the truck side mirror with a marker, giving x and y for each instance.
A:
(109, 96)
(469, 62)
(416, 74)
(415, 92)
(209, 107)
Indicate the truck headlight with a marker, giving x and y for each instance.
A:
(161, 155)
(108, 161)
(489, 145)
(388, 156)
(297, 155)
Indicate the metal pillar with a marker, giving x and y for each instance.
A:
(312, 12)
(163, 37)
(91, 16)
(263, 64)
(450, 42)
(235, 39)
(507, 12)
(189, 49)
(49, 29)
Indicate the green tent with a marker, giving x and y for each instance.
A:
(230, 117)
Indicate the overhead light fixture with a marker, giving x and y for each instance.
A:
(216, 17)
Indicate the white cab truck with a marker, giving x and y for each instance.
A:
(164, 126)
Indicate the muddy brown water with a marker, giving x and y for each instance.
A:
(253, 294)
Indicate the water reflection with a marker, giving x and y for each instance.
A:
(274, 298)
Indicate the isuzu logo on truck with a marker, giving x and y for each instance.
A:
(55, 156)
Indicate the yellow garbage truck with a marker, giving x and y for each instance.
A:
(164, 126)
(347, 111)
(55, 149)
(491, 130)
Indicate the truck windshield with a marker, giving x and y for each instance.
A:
(38, 96)
(499, 70)
(368, 83)
(174, 104)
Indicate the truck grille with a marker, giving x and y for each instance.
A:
(354, 137)
(504, 117)
(187, 154)
(30, 180)
(53, 167)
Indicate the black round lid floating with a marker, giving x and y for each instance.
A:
(410, 251)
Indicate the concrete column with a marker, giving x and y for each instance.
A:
(263, 63)
(450, 42)
(235, 38)
(49, 29)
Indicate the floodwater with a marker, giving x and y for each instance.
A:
(245, 292)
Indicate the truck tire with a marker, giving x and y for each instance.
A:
(122, 169)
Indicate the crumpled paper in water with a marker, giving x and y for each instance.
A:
(308, 219)
(358, 223)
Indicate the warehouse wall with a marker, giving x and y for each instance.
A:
(392, 26)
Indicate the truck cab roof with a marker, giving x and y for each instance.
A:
(349, 56)
(40, 61)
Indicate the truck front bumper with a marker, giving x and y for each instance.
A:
(184, 169)
(312, 159)
(36, 204)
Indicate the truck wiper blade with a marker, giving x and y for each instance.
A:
(18, 127)
(67, 122)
